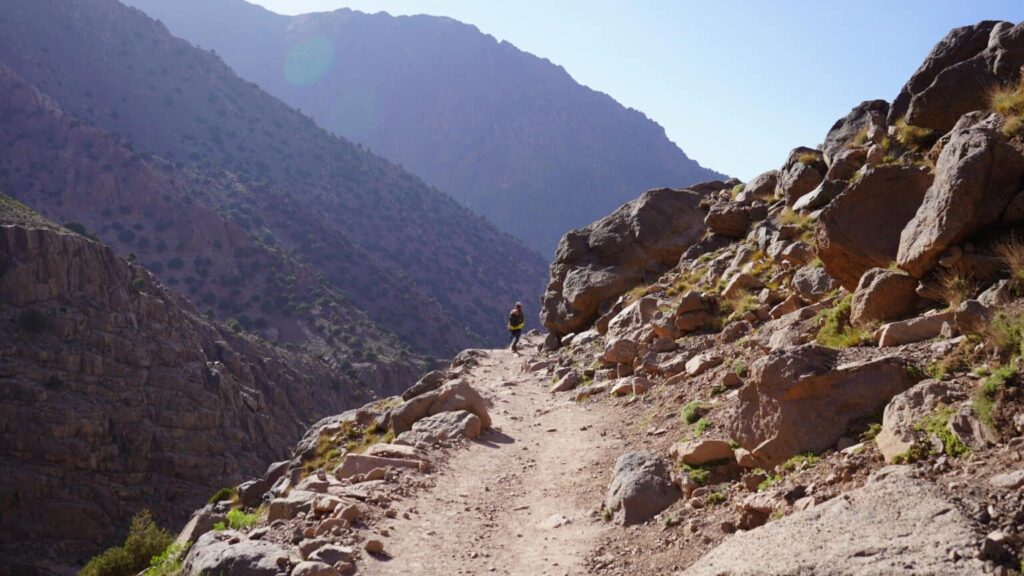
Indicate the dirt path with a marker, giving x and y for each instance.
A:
(523, 500)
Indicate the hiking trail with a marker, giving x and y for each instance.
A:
(521, 500)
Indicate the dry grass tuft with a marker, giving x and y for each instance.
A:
(1009, 101)
(1011, 252)
(915, 138)
(957, 286)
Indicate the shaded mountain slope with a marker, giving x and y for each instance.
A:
(118, 70)
(510, 135)
(116, 394)
(81, 176)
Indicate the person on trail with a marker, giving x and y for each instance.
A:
(516, 321)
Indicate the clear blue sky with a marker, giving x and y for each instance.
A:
(736, 84)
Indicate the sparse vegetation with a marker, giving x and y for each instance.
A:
(693, 411)
(1009, 101)
(808, 158)
(145, 542)
(169, 562)
(984, 398)
(937, 424)
(700, 427)
(224, 494)
(716, 498)
(873, 429)
(699, 474)
(800, 462)
(769, 481)
(836, 330)
(957, 286)
(1011, 252)
(915, 138)
(238, 520)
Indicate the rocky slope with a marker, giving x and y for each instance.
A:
(272, 171)
(116, 395)
(814, 372)
(509, 135)
(83, 177)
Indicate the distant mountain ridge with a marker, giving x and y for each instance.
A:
(508, 134)
(397, 248)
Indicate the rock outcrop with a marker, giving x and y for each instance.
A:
(957, 76)
(800, 401)
(640, 488)
(638, 241)
(977, 175)
(119, 396)
(867, 531)
(860, 229)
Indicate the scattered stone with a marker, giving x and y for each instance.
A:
(904, 411)
(883, 295)
(913, 330)
(700, 452)
(374, 546)
(702, 363)
(641, 487)
(568, 382)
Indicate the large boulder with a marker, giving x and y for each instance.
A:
(894, 524)
(860, 228)
(976, 176)
(230, 553)
(633, 317)
(883, 295)
(442, 427)
(638, 241)
(799, 400)
(803, 171)
(865, 117)
(728, 219)
(903, 412)
(641, 487)
(959, 44)
(812, 284)
(762, 187)
(913, 330)
(963, 84)
(451, 397)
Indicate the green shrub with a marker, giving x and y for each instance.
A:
(169, 562)
(238, 520)
(698, 474)
(937, 424)
(769, 481)
(800, 461)
(836, 330)
(716, 498)
(139, 284)
(145, 542)
(33, 321)
(984, 398)
(222, 495)
(233, 325)
(693, 412)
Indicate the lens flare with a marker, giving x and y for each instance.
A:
(309, 61)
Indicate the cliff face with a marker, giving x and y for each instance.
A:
(115, 395)
(508, 134)
(397, 248)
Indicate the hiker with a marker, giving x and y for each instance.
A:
(516, 321)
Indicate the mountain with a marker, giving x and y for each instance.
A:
(81, 176)
(117, 394)
(508, 134)
(396, 248)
